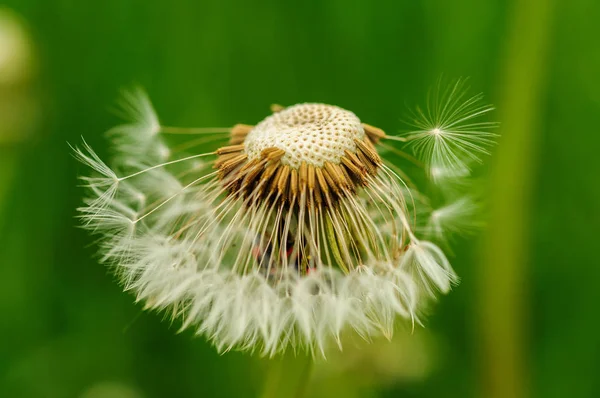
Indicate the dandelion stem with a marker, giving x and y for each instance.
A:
(289, 377)
(305, 376)
(273, 379)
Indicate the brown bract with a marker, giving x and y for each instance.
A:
(267, 178)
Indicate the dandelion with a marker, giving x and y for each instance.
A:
(292, 233)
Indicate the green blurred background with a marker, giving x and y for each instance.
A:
(524, 321)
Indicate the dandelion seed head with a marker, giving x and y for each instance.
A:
(291, 235)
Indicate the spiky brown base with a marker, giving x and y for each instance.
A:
(267, 177)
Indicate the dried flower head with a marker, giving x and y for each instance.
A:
(293, 232)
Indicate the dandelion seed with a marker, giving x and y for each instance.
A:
(136, 139)
(449, 137)
(290, 235)
(457, 217)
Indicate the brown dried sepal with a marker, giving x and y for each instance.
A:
(374, 133)
(266, 178)
(277, 108)
(239, 133)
